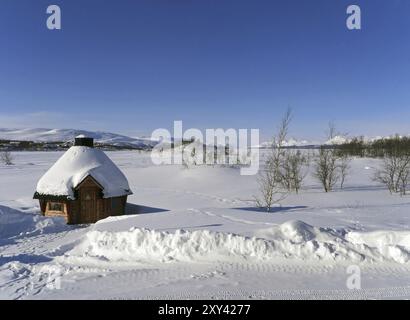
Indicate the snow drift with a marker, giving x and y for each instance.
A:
(15, 223)
(294, 239)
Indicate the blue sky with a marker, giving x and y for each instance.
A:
(134, 66)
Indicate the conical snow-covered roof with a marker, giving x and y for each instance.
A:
(74, 166)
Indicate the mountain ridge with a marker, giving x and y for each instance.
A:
(114, 139)
(65, 135)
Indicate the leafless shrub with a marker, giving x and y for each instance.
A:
(270, 179)
(330, 165)
(344, 168)
(395, 172)
(292, 170)
(271, 191)
(6, 158)
(404, 181)
(325, 168)
(387, 174)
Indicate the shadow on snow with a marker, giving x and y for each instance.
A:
(131, 209)
(282, 209)
(24, 258)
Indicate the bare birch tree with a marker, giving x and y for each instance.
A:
(6, 157)
(270, 182)
(395, 172)
(293, 170)
(326, 168)
(271, 191)
(327, 163)
(344, 168)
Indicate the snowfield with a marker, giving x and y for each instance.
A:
(193, 233)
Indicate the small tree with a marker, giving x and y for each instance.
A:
(270, 179)
(292, 170)
(7, 158)
(404, 181)
(387, 174)
(403, 176)
(331, 164)
(326, 168)
(270, 189)
(344, 168)
(395, 172)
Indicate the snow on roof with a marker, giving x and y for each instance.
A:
(78, 163)
(81, 136)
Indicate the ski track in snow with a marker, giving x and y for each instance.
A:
(202, 195)
(294, 294)
(229, 218)
(139, 281)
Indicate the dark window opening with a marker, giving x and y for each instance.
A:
(55, 206)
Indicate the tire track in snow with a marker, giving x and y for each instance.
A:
(294, 294)
(35, 244)
(133, 282)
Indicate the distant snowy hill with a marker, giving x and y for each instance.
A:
(291, 143)
(297, 143)
(53, 135)
(337, 140)
(64, 135)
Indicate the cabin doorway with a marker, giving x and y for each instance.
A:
(88, 202)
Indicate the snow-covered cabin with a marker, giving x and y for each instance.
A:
(83, 186)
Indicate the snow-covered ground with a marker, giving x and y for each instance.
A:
(195, 233)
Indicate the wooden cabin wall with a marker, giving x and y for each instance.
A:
(43, 206)
(74, 212)
(117, 205)
(104, 209)
(89, 207)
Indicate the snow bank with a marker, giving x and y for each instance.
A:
(14, 223)
(294, 239)
(75, 165)
(394, 245)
